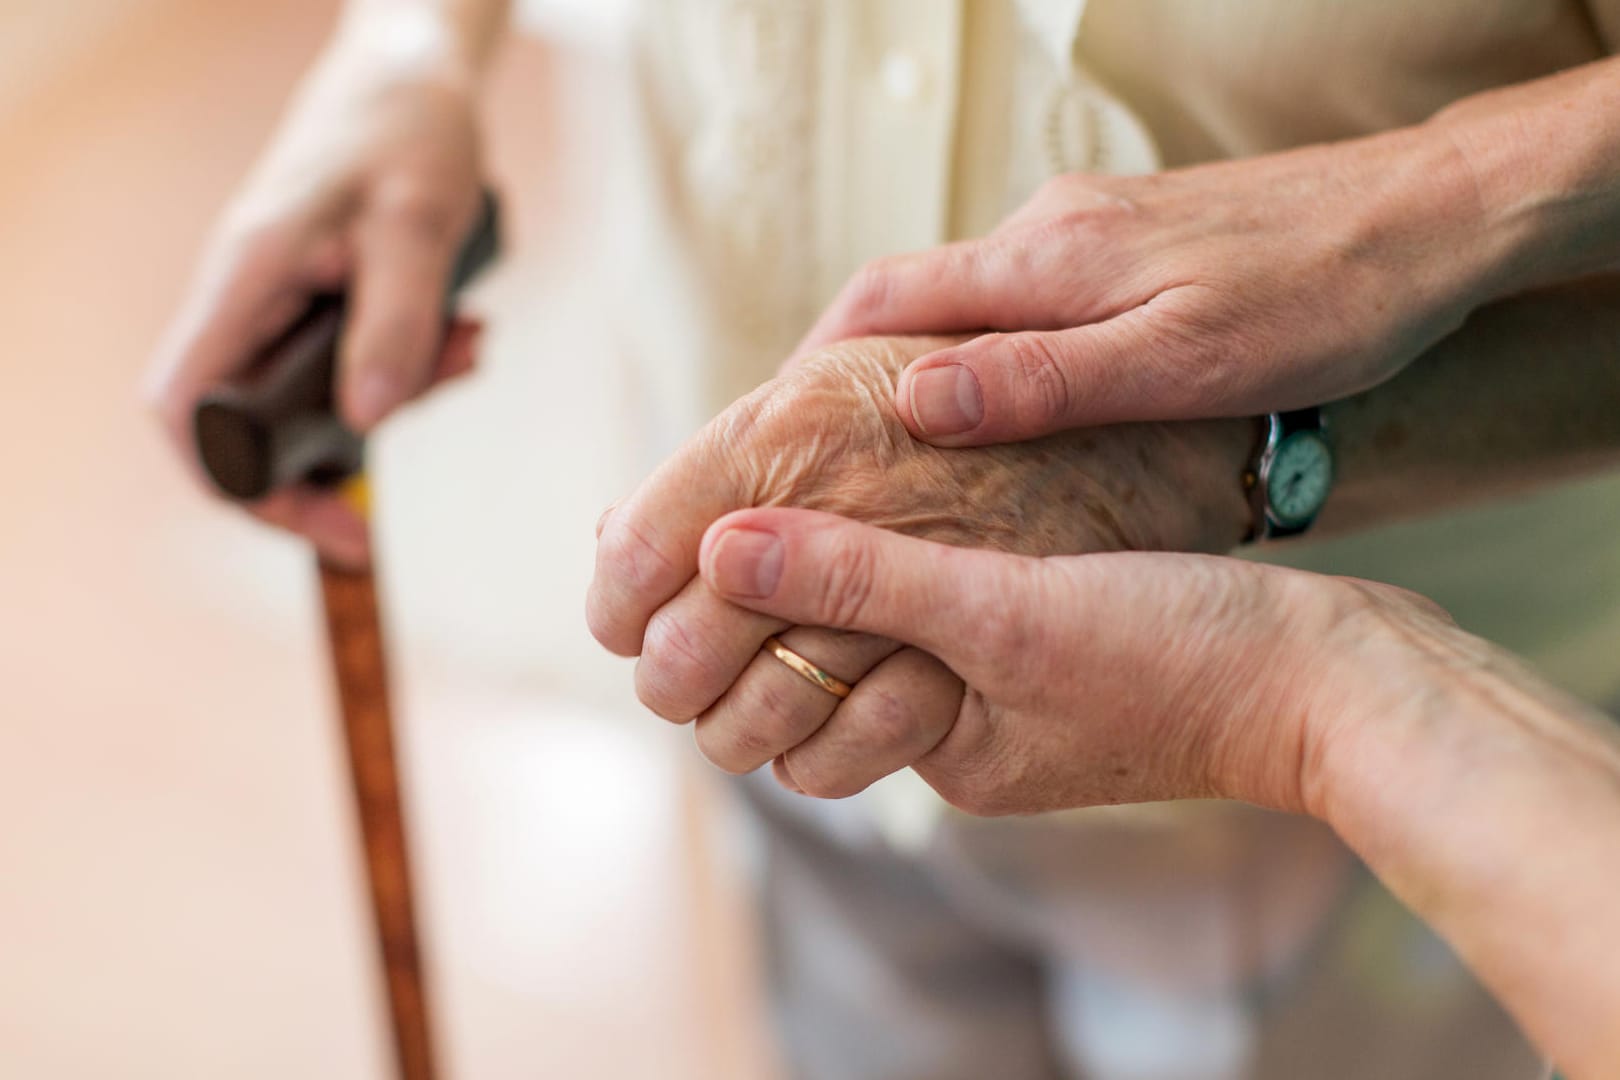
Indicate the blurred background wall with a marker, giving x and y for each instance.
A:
(38, 37)
(179, 882)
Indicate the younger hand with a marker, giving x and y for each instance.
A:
(1231, 289)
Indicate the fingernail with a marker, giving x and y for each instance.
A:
(374, 394)
(946, 400)
(747, 562)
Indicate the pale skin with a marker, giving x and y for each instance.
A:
(1439, 759)
(1247, 286)
(369, 184)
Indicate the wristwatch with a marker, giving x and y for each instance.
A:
(1290, 476)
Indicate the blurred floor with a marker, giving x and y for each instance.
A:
(179, 891)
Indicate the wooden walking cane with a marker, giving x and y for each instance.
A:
(276, 425)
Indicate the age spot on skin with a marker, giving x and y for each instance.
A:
(1392, 436)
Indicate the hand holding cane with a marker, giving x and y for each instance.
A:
(276, 425)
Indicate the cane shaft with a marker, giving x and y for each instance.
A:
(354, 629)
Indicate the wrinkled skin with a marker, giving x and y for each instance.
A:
(825, 436)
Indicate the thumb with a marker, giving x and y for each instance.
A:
(819, 569)
(1008, 387)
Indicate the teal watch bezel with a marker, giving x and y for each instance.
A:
(1281, 429)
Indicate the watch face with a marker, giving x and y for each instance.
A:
(1299, 478)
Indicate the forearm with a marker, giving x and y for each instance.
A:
(1525, 394)
(1491, 805)
(1544, 161)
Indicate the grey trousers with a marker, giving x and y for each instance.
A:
(1213, 943)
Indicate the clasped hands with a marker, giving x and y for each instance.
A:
(1018, 685)
(966, 595)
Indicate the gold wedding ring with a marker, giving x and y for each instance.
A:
(838, 688)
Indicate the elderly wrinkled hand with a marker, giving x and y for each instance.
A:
(825, 436)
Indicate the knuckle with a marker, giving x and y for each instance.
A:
(756, 726)
(1070, 222)
(654, 692)
(728, 745)
(661, 638)
(715, 743)
(820, 780)
(1043, 377)
(767, 709)
(1079, 198)
(847, 586)
(607, 621)
(672, 658)
(1080, 190)
(1060, 189)
(744, 423)
(417, 210)
(670, 645)
(628, 557)
(888, 720)
(1076, 211)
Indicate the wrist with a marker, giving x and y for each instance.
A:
(1175, 486)
(1277, 729)
(1543, 164)
(1487, 802)
(403, 43)
(1179, 485)
(1427, 215)
(1222, 450)
(1416, 718)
